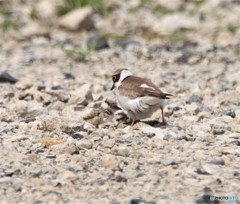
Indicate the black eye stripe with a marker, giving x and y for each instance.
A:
(116, 77)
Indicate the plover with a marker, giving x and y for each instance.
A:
(138, 97)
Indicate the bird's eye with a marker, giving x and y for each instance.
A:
(114, 78)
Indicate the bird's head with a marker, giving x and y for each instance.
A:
(118, 76)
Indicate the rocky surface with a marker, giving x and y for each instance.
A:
(62, 140)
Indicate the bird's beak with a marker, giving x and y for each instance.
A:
(113, 86)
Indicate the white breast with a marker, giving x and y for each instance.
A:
(142, 107)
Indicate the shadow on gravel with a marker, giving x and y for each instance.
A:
(155, 123)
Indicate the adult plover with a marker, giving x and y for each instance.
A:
(137, 96)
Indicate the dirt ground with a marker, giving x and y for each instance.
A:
(58, 145)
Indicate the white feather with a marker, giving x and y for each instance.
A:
(150, 100)
(125, 73)
(146, 86)
(142, 107)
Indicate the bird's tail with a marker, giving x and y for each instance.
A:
(166, 95)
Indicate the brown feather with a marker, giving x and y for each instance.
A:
(131, 87)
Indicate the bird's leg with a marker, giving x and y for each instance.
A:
(133, 121)
(163, 119)
(133, 117)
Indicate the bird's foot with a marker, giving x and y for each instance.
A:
(163, 123)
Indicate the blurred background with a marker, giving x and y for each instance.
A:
(98, 24)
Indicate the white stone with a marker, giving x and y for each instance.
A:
(171, 5)
(84, 144)
(30, 30)
(46, 10)
(109, 161)
(121, 150)
(78, 19)
(27, 109)
(174, 22)
(109, 143)
(65, 174)
(212, 169)
(81, 95)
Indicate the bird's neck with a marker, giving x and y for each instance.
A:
(124, 75)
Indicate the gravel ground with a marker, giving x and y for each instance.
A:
(57, 145)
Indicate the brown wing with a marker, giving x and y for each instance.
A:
(134, 87)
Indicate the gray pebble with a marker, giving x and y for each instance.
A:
(194, 99)
(218, 161)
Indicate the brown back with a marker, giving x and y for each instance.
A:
(131, 87)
